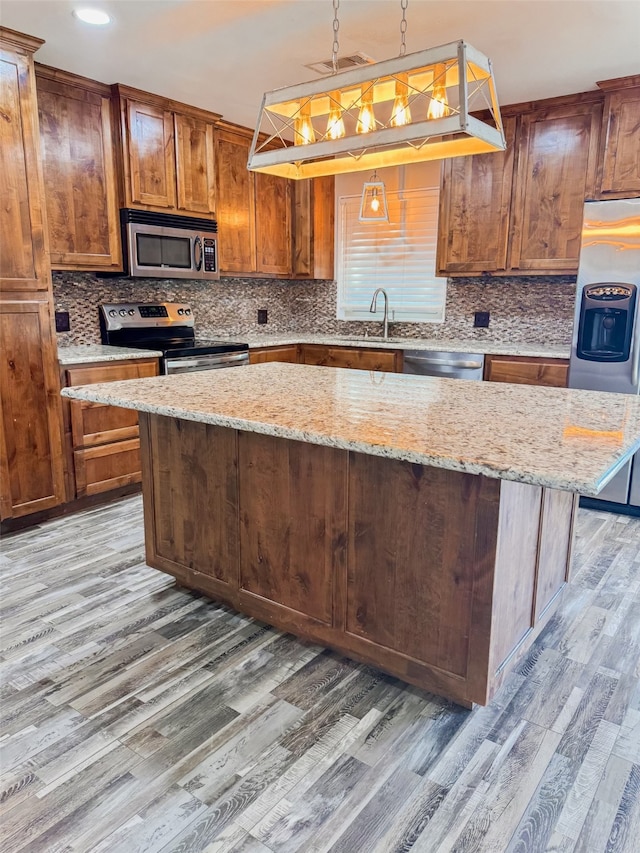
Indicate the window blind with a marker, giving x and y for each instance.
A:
(398, 255)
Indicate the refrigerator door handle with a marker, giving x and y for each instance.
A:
(635, 363)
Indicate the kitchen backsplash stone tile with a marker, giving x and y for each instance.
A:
(531, 309)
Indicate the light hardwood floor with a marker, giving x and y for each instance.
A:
(141, 717)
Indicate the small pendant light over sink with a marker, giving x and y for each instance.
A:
(373, 206)
(436, 103)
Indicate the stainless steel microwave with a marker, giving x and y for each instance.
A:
(161, 245)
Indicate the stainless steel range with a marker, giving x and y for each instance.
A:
(170, 328)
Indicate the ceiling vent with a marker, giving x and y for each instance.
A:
(344, 63)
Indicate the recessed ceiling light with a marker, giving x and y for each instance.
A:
(92, 16)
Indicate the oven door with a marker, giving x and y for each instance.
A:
(190, 364)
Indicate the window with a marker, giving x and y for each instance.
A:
(398, 255)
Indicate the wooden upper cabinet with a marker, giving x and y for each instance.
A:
(620, 148)
(168, 154)
(24, 265)
(475, 197)
(79, 171)
(555, 172)
(195, 159)
(150, 177)
(313, 228)
(236, 213)
(273, 224)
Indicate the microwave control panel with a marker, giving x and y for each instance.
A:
(210, 260)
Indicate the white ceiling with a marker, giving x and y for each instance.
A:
(222, 55)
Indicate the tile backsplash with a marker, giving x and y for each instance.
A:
(533, 309)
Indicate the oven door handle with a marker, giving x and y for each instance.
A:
(635, 359)
(197, 258)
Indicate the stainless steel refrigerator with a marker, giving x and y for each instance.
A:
(605, 350)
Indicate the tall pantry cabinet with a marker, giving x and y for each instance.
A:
(31, 470)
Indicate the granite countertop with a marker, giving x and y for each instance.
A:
(561, 438)
(483, 347)
(89, 353)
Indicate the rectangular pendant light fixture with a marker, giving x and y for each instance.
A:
(409, 109)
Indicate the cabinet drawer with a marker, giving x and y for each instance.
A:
(354, 357)
(527, 371)
(288, 353)
(97, 423)
(111, 372)
(109, 466)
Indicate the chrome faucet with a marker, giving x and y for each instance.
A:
(374, 307)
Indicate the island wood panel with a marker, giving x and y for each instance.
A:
(24, 265)
(32, 471)
(554, 548)
(621, 131)
(195, 158)
(296, 552)
(107, 467)
(191, 516)
(525, 370)
(414, 557)
(475, 200)
(555, 172)
(287, 353)
(79, 172)
(293, 517)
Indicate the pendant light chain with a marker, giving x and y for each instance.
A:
(336, 27)
(403, 27)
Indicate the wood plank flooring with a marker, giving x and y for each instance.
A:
(137, 716)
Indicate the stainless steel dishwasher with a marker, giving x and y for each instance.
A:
(446, 365)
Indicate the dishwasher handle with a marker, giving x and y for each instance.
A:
(439, 362)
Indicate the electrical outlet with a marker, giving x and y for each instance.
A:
(62, 321)
(481, 319)
(262, 316)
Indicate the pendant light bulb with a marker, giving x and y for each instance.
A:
(335, 123)
(375, 201)
(439, 105)
(366, 117)
(304, 132)
(401, 114)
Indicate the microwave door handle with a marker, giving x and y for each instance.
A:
(197, 256)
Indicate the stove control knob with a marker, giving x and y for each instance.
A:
(181, 311)
(112, 313)
(131, 312)
(187, 311)
(123, 312)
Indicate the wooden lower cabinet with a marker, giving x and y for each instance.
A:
(31, 458)
(288, 353)
(522, 370)
(441, 578)
(360, 358)
(103, 449)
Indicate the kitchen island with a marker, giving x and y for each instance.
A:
(421, 525)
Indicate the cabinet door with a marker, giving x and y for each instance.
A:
(621, 154)
(23, 262)
(323, 227)
(79, 176)
(31, 452)
(273, 224)
(522, 370)
(235, 203)
(555, 173)
(473, 223)
(288, 353)
(195, 165)
(150, 176)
